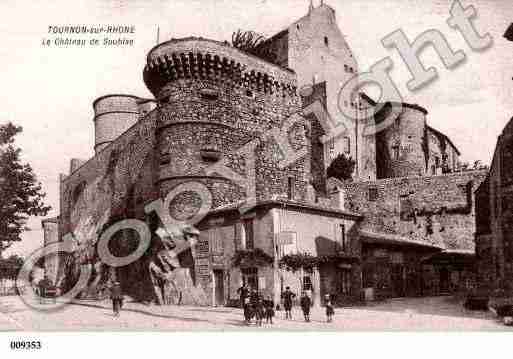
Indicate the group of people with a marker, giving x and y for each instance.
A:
(256, 306)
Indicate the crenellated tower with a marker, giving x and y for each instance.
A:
(213, 100)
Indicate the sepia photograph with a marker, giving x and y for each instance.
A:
(256, 166)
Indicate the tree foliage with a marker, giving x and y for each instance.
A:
(308, 262)
(21, 194)
(251, 258)
(9, 267)
(341, 168)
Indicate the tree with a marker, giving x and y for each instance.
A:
(341, 168)
(9, 267)
(21, 195)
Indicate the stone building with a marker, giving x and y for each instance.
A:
(246, 142)
(494, 219)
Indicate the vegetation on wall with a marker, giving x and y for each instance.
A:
(251, 258)
(250, 42)
(308, 262)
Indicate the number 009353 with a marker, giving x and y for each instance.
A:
(25, 345)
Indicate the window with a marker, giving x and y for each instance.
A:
(290, 188)
(216, 241)
(249, 234)
(396, 151)
(343, 237)
(347, 145)
(326, 40)
(346, 68)
(332, 150)
(307, 282)
(373, 194)
(406, 208)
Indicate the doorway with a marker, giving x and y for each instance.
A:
(444, 280)
(397, 278)
(219, 287)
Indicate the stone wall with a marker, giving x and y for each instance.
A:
(438, 210)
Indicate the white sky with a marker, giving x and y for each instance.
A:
(49, 91)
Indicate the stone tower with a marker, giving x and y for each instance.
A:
(315, 48)
(213, 100)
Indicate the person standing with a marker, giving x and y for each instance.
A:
(243, 293)
(305, 303)
(269, 310)
(287, 297)
(117, 298)
(329, 308)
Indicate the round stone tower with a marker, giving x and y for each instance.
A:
(401, 144)
(113, 115)
(213, 99)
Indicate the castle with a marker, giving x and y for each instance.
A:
(404, 225)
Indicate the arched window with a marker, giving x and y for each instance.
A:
(326, 41)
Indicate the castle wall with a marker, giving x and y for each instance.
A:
(113, 185)
(366, 135)
(436, 210)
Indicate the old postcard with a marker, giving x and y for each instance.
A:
(258, 166)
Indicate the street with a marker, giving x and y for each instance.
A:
(408, 314)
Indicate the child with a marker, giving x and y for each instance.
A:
(305, 303)
(117, 298)
(269, 310)
(329, 308)
(248, 313)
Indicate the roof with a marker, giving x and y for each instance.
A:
(446, 138)
(284, 203)
(393, 239)
(452, 256)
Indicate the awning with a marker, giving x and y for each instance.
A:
(394, 239)
(452, 256)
